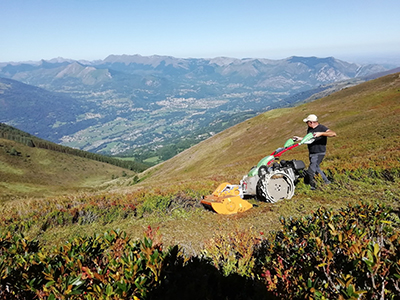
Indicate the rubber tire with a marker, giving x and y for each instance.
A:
(269, 191)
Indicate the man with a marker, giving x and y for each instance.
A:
(316, 149)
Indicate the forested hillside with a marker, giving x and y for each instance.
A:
(35, 168)
(10, 133)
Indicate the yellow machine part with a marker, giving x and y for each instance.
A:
(226, 200)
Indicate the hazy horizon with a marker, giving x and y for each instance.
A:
(363, 31)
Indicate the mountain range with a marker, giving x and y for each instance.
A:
(131, 104)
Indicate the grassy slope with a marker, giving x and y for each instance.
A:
(365, 117)
(40, 173)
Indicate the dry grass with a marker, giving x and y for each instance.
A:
(38, 172)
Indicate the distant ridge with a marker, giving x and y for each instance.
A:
(381, 74)
(325, 90)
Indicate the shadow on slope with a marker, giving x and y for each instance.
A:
(198, 279)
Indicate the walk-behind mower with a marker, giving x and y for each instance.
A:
(271, 180)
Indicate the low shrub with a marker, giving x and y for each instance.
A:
(100, 267)
(233, 253)
(350, 254)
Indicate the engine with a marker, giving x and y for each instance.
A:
(272, 183)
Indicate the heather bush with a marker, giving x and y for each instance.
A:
(350, 254)
(233, 253)
(111, 266)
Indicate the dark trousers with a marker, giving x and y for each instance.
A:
(315, 161)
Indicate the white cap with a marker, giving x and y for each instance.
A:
(312, 118)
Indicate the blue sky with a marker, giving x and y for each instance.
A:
(352, 30)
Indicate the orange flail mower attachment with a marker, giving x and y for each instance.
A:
(226, 200)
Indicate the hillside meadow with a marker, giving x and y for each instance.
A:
(31, 172)
(365, 117)
(363, 162)
(366, 120)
